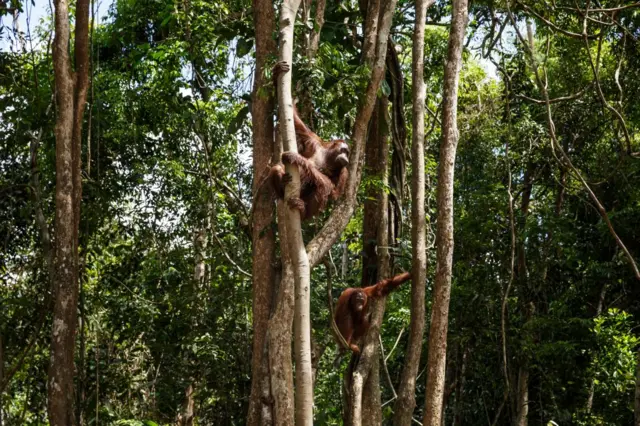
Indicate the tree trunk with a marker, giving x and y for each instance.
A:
(522, 403)
(342, 212)
(263, 237)
(406, 401)
(71, 92)
(380, 131)
(592, 386)
(436, 362)
(375, 161)
(187, 416)
(1, 375)
(314, 37)
(636, 402)
(299, 260)
(279, 328)
(397, 174)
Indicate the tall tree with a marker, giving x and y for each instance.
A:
(437, 360)
(71, 95)
(263, 237)
(406, 401)
(297, 250)
(375, 52)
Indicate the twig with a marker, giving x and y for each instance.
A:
(386, 370)
(395, 344)
(224, 252)
(555, 100)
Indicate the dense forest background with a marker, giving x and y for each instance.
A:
(165, 307)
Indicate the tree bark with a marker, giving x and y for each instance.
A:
(371, 399)
(375, 165)
(406, 401)
(522, 403)
(71, 92)
(436, 362)
(314, 38)
(1, 374)
(279, 342)
(280, 326)
(187, 416)
(263, 236)
(299, 260)
(636, 401)
(342, 212)
(397, 174)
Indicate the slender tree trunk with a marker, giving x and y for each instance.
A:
(81, 359)
(345, 259)
(263, 237)
(406, 401)
(522, 403)
(342, 212)
(71, 92)
(1, 375)
(314, 38)
(299, 260)
(280, 326)
(375, 161)
(372, 155)
(359, 412)
(397, 174)
(436, 362)
(592, 387)
(187, 416)
(462, 379)
(380, 131)
(636, 402)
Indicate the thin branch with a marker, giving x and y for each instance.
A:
(595, 68)
(555, 100)
(551, 24)
(542, 86)
(395, 344)
(616, 9)
(386, 370)
(224, 252)
(27, 350)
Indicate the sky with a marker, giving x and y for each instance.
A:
(32, 16)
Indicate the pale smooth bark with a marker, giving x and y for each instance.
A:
(263, 237)
(406, 401)
(437, 358)
(297, 250)
(71, 92)
(522, 398)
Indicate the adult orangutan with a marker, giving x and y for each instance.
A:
(351, 315)
(322, 166)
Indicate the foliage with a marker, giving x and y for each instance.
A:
(167, 159)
